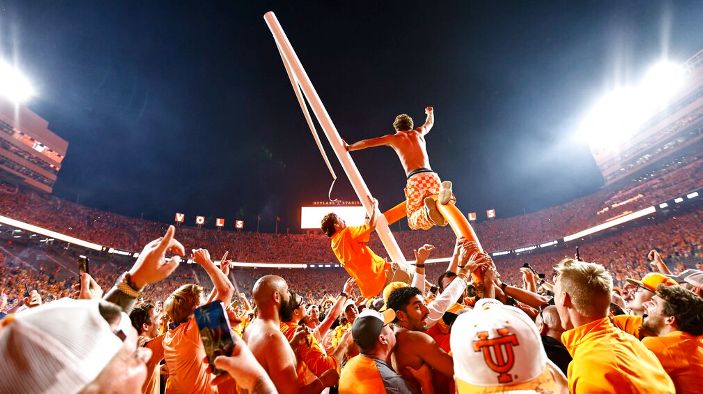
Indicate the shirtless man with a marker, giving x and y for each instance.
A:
(422, 183)
(413, 347)
(270, 346)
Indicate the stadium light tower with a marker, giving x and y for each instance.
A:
(13, 85)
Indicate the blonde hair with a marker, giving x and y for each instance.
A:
(589, 286)
(182, 303)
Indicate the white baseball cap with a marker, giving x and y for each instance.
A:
(57, 347)
(497, 348)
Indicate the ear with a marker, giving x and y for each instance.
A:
(401, 315)
(566, 302)
(277, 296)
(671, 321)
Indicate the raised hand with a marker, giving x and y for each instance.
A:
(152, 265)
(424, 252)
(349, 286)
(89, 290)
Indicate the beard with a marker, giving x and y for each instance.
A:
(285, 311)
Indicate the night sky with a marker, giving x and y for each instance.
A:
(185, 106)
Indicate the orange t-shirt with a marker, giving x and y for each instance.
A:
(681, 355)
(362, 264)
(184, 354)
(153, 374)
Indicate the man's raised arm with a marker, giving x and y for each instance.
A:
(429, 121)
(370, 143)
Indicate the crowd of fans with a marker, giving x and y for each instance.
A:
(311, 330)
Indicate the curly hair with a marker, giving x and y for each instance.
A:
(328, 222)
(403, 122)
(684, 306)
(399, 298)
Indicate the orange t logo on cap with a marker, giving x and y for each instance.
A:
(494, 359)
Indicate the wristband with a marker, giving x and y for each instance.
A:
(125, 286)
(503, 285)
(419, 265)
(343, 294)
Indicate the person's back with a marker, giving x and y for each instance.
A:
(184, 354)
(261, 336)
(362, 264)
(606, 359)
(410, 146)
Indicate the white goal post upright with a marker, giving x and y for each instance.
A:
(295, 68)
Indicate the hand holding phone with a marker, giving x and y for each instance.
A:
(83, 265)
(214, 332)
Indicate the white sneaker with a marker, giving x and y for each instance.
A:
(433, 213)
(445, 192)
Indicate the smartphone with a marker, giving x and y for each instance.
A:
(83, 265)
(26, 290)
(214, 332)
(578, 255)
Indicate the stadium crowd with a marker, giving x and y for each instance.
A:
(312, 330)
(624, 314)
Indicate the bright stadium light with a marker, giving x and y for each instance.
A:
(662, 82)
(620, 113)
(13, 85)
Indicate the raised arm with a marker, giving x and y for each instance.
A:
(223, 286)
(337, 308)
(371, 143)
(429, 121)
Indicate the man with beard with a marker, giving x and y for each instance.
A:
(270, 346)
(675, 316)
(632, 324)
(414, 348)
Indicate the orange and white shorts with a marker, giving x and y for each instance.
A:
(419, 186)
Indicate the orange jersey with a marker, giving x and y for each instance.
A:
(362, 264)
(312, 360)
(606, 359)
(681, 355)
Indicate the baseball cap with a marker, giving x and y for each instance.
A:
(368, 325)
(347, 304)
(389, 289)
(58, 347)
(497, 348)
(695, 279)
(652, 280)
(680, 278)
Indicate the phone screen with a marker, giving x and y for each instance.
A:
(83, 265)
(214, 332)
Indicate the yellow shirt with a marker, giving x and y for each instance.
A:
(608, 360)
(362, 264)
(681, 355)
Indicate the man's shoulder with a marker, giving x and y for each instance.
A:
(414, 337)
